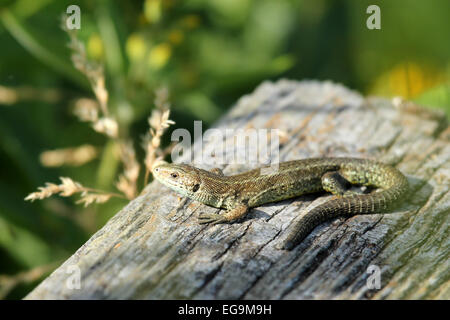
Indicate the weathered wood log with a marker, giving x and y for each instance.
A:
(155, 249)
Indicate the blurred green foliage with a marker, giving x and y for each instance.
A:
(208, 53)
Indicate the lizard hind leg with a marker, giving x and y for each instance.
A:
(336, 184)
(332, 182)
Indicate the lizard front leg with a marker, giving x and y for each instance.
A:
(217, 171)
(229, 216)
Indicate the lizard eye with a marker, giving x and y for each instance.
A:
(196, 187)
(174, 175)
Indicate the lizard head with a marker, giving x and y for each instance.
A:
(182, 178)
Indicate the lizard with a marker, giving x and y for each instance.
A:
(238, 193)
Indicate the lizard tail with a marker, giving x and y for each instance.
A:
(394, 187)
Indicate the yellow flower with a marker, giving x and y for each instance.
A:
(191, 21)
(407, 79)
(159, 55)
(152, 10)
(95, 46)
(176, 36)
(135, 47)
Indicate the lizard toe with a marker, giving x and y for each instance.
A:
(213, 218)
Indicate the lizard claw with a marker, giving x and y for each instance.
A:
(212, 218)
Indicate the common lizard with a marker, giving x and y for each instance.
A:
(238, 193)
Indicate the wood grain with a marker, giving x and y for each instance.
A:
(155, 249)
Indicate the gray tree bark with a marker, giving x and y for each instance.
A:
(155, 249)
